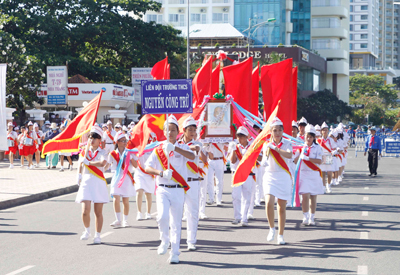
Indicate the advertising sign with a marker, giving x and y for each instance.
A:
(392, 147)
(57, 85)
(139, 74)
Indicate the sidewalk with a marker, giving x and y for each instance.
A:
(20, 186)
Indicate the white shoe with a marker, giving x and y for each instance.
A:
(125, 224)
(173, 259)
(209, 202)
(85, 236)
(162, 248)
(257, 205)
(139, 216)
(191, 247)
(271, 234)
(219, 203)
(236, 221)
(97, 240)
(250, 217)
(29, 167)
(116, 223)
(328, 189)
(311, 221)
(203, 216)
(184, 218)
(244, 224)
(35, 165)
(147, 216)
(70, 167)
(340, 178)
(11, 166)
(22, 166)
(306, 217)
(280, 240)
(62, 169)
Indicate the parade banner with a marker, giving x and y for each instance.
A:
(3, 118)
(202, 82)
(167, 96)
(392, 147)
(57, 85)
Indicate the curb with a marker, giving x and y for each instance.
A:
(41, 196)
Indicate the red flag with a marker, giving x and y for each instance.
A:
(255, 86)
(215, 80)
(159, 70)
(238, 82)
(68, 140)
(249, 159)
(202, 82)
(294, 91)
(276, 84)
(141, 131)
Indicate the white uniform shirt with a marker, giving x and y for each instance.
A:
(197, 155)
(340, 144)
(39, 136)
(315, 153)
(242, 150)
(216, 153)
(330, 143)
(107, 139)
(12, 135)
(272, 165)
(177, 161)
(114, 163)
(101, 155)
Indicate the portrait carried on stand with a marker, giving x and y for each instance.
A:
(219, 118)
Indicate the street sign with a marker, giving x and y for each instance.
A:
(167, 96)
(57, 85)
(392, 147)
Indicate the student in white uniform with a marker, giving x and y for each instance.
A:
(30, 144)
(277, 155)
(302, 127)
(108, 138)
(317, 131)
(170, 194)
(127, 188)
(145, 184)
(328, 151)
(259, 193)
(191, 207)
(241, 195)
(310, 181)
(336, 157)
(65, 154)
(12, 141)
(341, 146)
(39, 140)
(216, 168)
(92, 184)
(295, 157)
(203, 165)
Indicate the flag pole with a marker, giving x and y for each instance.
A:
(168, 142)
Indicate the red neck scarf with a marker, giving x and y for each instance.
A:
(371, 141)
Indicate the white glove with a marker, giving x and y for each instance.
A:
(167, 174)
(304, 157)
(264, 162)
(85, 161)
(169, 147)
(232, 146)
(334, 152)
(270, 145)
(78, 179)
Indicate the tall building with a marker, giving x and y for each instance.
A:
(259, 11)
(175, 12)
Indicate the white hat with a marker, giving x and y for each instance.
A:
(294, 124)
(47, 122)
(118, 125)
(132, 123)
(104, 125)
(189, 122)
(30, 123)
(35, 125)
(109, 122)
(16, 128)
(124, 128)
(242, 130)
(53, 126)
(276, 121)
(96, 129)
(340, 125)
(310, 129)
(339, 130)
(249, 122)
(303, 121)
(317, 127)
(10, 124)
(118, 136)
(324, 125)
(317, 133)
(333, 133)
(171, 119)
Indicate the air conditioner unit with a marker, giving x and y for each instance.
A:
(181, 11)
(224, 9)
(203, 10)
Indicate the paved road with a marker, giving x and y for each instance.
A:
(357, 232)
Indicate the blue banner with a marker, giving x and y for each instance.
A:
(56, 99)
(167, 96)
(392, 147)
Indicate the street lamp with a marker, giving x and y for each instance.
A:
(256, 26)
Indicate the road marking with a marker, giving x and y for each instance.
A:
(106, 234)
(366, 198)
(366, 188)
(21, 270)
(364, 236)
(364, 213)
(362, 270)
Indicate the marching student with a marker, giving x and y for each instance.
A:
(295, 157)
(295, 129)
(216, 168)
(92, 183)
(144, 183)
(373, 146)
(310, 181)
(108, 138)
(259, 193)
(302, 127)
(317, 131)
(341, 145)
(327, 144)
(12, 140)
(66, 154)
(127, 189)
(117, 127)
(192, 196)
(39, 140)
(168, 163)
(203, 166)
(20, 141)
(29, 144)
(277, 178)
(336, 157)
(241, 195)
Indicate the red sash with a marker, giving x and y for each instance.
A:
(323, 145)
(34, 141)
(280, 161)
(141, 169)
(219, 149)
(93, 169)
(205, 164)
(175, 175)
(312, 166)
(240, 156)
(110, 136)
(117, 158)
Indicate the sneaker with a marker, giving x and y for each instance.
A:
(210, 202)
(22, 166)
(173, 259)
(250, 217)
(236, 221)
(219, 203)
(97, 240)
(85, 236)
(70, 167)
(257, 205)
(125, 224)
(37, 165)
(203, 216)
(191, 247)
(328, 189)
(30, 167)
(311, 221)
(271, 234)
(305, 221)
(184, 218)
(139, 216)
(280, 240)
(340, 178)
(11, 166)
(147, 216)
(62, 169)
(115, 223)
(244, 224)
(373, 176)
(162, 248)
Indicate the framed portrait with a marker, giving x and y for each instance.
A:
(219, 116)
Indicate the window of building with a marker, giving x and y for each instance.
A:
(351, 18)
(364, 7)
(364, 26)
(351, 37)
(351, 46)
(220, 17)
(351, 27)
(364, 17)
(173, 17)
(364, 36)
(154, 17)
(364, 46)
(351, 8)
(325, 44)
(326, 22)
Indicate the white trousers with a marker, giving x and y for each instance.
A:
(241, 197)
(216, 167)
(259, 194)
(192, 211)
(252, 196)
(203, 193)
(169, 215)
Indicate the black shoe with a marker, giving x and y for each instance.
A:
(373, 176)
(370, 175)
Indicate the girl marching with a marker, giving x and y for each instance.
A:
(12, 140)
(39, 140)
(30, 144)
(328, 148)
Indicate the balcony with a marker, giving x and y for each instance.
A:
(338, 67)
(334, 53)
(289, 5)
(339, 11)
(177, 2)
(289, 27)
(326, 3)
(221, 1)
(330, 32)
